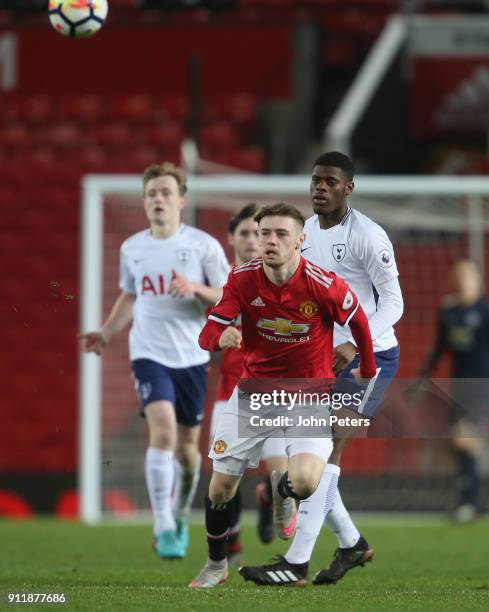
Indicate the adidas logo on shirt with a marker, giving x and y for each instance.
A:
(258, 302)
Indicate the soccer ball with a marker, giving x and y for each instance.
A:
(78, 18)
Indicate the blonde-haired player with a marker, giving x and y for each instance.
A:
(169, 274)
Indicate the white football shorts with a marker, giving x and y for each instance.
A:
(233, 455)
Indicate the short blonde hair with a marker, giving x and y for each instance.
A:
(166, 169)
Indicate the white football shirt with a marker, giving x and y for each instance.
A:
(358, 250)
(165, 328)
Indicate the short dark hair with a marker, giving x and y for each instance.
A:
(337, 160)
(245, 213)
(280, 210)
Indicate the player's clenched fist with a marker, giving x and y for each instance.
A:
(357, 375)
(343, 355)
(93, 342)
(230, 338)
(180, 286)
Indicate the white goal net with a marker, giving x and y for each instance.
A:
(430, 220)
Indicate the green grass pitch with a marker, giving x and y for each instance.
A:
(419, 565)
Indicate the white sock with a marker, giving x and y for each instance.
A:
(158, 470)
(177, 485)
(186, 482)
(339, 521)
(312, 512)
(217, 564)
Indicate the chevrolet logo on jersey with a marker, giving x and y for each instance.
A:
(283, 327)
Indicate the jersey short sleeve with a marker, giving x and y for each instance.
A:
(343, 302)
(215, 264)
(126, 279)
(378, 255)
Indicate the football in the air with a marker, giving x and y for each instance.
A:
(77, 18)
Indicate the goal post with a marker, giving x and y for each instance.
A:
(431, 221)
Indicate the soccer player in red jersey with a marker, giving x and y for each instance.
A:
(288, 307)
(243, 237)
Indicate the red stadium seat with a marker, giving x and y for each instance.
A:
(175, 108)
(142, 156)
(240, 108)
(166, 136)
(219, 136)
(119, 502)
(111, 135)
(91, 158)
(52, 197)
(15, 136)
(14, 506)
(61, 173)
(38, 109)
(41, 157)
(83, 109)
(64, 135)
(248, 159)
(10, 108)
(251, 159)
(68, 504)
(12, 174)
(134, 108)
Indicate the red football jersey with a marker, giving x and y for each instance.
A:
(230, 370)
(287, 330)
(231, 366)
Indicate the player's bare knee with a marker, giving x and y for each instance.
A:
(222, 488)
(221, 494)
(187, 454)
(304, 485)
(164, 440)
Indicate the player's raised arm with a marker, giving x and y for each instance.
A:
(119, 317)
(218, 332)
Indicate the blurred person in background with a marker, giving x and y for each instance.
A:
(169, 274)
(463, 332)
